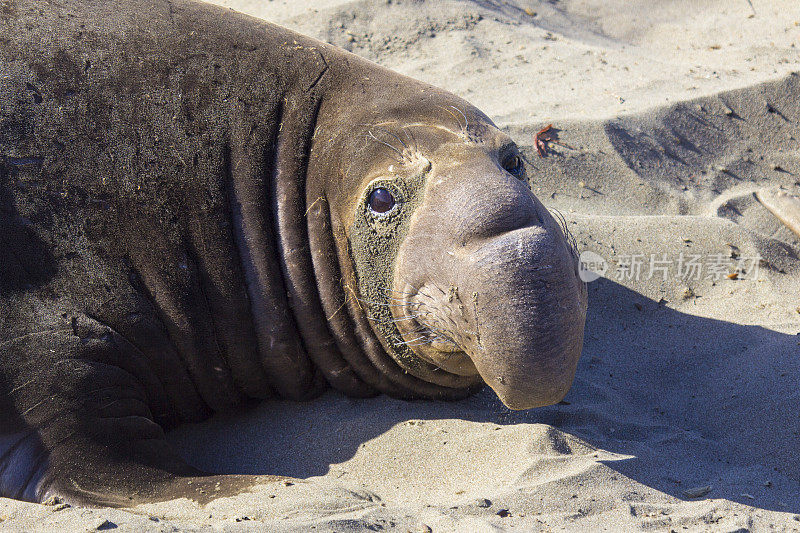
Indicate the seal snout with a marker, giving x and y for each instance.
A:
(490, 290)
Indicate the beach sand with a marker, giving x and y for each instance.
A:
(675, 118)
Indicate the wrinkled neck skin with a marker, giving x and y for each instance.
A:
(467, 280)
(354, 151)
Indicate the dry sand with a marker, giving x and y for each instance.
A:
(685, 413)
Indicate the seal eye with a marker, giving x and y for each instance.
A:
(513, 165)
(381, 200)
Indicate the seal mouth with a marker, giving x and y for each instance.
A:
(440, 343)
(443, 343)
(424, 334)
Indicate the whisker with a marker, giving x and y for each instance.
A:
(411, 138)
(403, 319)
(388, 146)
(453, 115)
(417, 344)
(393, 135)
(412, 344)
(572, 242)
(415, 339)
(466, 122)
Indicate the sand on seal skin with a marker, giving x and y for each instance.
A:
(681, 121)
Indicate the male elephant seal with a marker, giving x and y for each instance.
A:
(197, 207)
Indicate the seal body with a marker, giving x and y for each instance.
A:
(188, 219)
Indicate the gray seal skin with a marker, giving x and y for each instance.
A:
(198, 207)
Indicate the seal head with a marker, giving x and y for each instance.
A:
(464, 276)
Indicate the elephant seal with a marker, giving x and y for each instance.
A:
(198, 207)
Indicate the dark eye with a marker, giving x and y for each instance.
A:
(514, 166)
(380, 200)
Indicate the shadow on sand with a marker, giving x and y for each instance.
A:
(693, 401)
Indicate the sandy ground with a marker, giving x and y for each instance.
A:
(684, 413)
